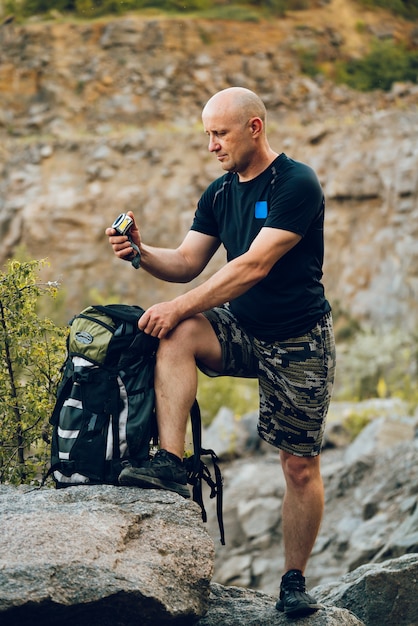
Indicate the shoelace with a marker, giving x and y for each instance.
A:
(163, 460)
(159, 460)
(294, 583)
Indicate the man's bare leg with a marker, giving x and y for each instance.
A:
(303, 507)
(176, 377)
(175, 391)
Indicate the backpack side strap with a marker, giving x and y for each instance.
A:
(198, 471)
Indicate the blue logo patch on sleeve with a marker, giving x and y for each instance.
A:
(260, 209)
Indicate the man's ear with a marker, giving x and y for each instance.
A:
(256, 125)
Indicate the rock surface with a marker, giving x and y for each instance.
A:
(378, 594)
(107, 556)
(232, 606)
(102, 556)
(372, 595)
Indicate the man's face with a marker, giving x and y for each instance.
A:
(230, 139)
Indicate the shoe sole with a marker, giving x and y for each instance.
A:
(299, 611)
(150, 482)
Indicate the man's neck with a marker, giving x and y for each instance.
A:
(259, 166)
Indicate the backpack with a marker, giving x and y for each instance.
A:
(104, 415)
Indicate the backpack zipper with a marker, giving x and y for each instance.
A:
(97, 321)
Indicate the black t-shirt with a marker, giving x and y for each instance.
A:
(287, 195)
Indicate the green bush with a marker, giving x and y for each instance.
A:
(354, 423)
(32, 350)
(308, 61)
(232, 13)
(385, 64)
(405, 8)
(32, 7)
(95, 8)
(249, 11)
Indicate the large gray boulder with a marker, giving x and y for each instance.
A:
(114, 556)
(102, 556)
(381, 594)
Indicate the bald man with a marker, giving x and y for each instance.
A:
(264, 314)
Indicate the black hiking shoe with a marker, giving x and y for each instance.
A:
(164, 471)
(293, 599)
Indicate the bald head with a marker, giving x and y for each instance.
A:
(234, 121)
(237, 102)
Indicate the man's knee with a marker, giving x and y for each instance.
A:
(179, 340)
(193, 337)
(299, 471)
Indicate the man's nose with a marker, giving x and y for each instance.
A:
(213, 144)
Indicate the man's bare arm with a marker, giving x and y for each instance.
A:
(183, 264)
(232, 280)
(180, 264)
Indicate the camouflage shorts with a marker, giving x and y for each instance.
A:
(295, 379)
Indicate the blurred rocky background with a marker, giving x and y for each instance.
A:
(371, 492)
(104, 116)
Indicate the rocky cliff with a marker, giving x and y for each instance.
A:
(102, 117)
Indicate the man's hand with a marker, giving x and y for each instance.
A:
(120, 243)
(159, 319)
